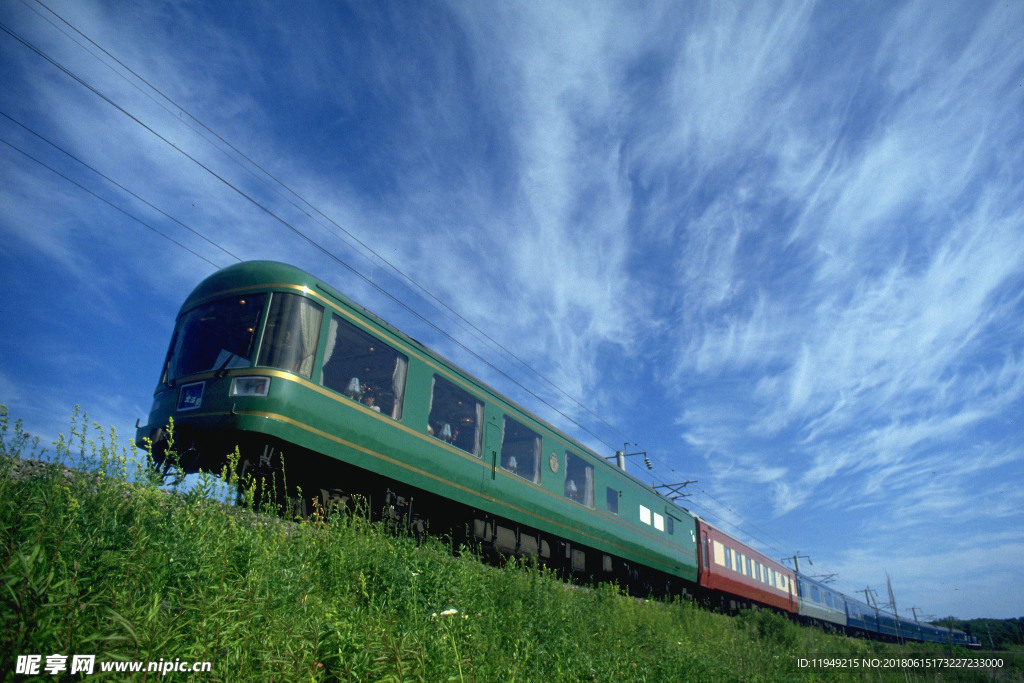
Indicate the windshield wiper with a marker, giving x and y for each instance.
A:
(222, 370)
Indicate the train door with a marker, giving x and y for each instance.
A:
(492, 447)
(705, 554)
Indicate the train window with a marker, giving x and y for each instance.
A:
(520, 451)
(363, 368)
(670, 525)
(292, 333)
(728, 557)
(659, 522)
(579, 480)
(215, 336)
(815, 593)
(645, 514)
(455, 416)
(612, 499)
(771, 578)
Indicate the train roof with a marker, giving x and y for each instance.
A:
(819, 584)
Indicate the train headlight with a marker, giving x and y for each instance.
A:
(250, 386)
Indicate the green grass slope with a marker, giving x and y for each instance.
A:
(105, 562)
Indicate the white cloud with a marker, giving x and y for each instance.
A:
(787, 240)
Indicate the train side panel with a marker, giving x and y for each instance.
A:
(296, 372)
(820, 603)
(733, 568)
(267, 358)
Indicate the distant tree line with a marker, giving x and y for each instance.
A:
(994, 634)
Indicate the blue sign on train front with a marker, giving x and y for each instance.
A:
(191, 396)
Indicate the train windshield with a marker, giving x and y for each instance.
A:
(215, 336)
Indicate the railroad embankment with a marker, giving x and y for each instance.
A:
(102, 561)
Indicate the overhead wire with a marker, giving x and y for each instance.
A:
(404, 276)
(302, 235)
(119, 186)
(292, 228)
(106, 201)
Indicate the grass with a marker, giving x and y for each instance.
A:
(111, 564)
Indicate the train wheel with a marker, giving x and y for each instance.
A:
(333, 501)
(418, 528)
(297, 507)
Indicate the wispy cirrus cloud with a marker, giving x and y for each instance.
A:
(780, 246)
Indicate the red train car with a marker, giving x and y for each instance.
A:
(743, 576)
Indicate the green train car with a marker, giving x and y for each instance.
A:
(267, 358)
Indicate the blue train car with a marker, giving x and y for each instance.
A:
(862, 619)
(933, 634)
(911, 630)
(941, 634)
(871, 622)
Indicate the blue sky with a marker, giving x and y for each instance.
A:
(779, 246)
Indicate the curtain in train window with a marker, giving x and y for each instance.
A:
(363, 368)
(455, 416)
(579, 480)
(520, 451)
(291, 334)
